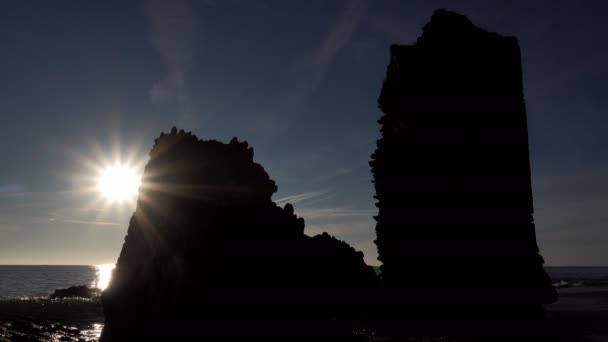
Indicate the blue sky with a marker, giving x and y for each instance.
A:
(84, 83)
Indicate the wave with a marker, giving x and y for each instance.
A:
(580, 283)
(566, 276)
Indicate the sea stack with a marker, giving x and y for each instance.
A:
(455, 231)
(209, 255)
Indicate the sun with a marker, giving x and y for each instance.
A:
(104, 275)
(118, 183)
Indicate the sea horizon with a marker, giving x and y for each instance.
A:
(110, 263)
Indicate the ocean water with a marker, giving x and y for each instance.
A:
(577, 276)
(27, 314)
(35, 282)
(41, 281)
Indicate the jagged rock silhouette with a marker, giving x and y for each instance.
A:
(209, 254)
(79, 291)
(455, 231)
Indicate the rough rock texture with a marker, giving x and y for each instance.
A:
(209, 254)
(455, 230)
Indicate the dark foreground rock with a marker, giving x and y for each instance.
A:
(81, 291)
(455, 230)
(209, 254)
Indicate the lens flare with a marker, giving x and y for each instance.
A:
(104, 275)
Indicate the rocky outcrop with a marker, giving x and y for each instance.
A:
(81, 291)
(209, 254)
(455, 231)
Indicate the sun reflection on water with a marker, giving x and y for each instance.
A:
(104, 274)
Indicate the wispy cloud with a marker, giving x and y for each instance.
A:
(11, 189)
(95, 223)
(72, 207)
(334, 213)
(172, 26)
(336, 173)
(299, 197)
(311, 71)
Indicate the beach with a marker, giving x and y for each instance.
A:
(581, 314)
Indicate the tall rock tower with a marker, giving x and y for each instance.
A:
(452, 174)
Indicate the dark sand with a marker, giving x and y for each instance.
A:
(581, 314)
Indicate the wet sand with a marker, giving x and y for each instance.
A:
(581, 314)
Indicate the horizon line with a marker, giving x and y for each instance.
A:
(372, 265)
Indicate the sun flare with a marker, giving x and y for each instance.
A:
(104, 275)
(119, 183)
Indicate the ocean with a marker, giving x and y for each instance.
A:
(27, 314)
(570, 276)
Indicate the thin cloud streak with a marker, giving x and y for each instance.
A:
(311, 72)
(334, 213)
(10, 189)
(299, 197)
(97, 223)
(337, 173)
(172, 30)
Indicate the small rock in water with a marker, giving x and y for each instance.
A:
(81, 291)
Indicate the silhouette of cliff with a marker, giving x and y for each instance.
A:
(209, 254)
(455, 231)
